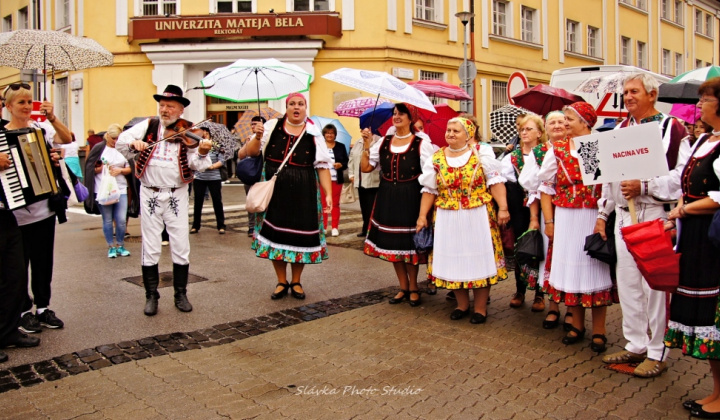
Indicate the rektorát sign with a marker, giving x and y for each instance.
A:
(214, 26)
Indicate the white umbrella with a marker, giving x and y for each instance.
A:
(381, 84)
(255, 80)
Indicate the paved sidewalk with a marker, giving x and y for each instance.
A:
(378, 361)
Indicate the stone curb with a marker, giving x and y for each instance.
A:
(113, 354)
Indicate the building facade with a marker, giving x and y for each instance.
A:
(160, 42)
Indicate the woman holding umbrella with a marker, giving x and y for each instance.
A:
(584, 281)
(290, 230)
(400, 157)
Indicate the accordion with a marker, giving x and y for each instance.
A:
(30, 178)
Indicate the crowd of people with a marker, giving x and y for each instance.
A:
(462, 192)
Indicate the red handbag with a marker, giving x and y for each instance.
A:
(507, 235)
(652, 250)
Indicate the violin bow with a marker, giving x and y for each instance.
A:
(180, 132)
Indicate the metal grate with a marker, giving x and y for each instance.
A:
(166, 279)
(499, 94)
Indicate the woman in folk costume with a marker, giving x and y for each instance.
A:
(585, 281)
(467, 252)
(401, 157)
(291, 228)
(556, 130)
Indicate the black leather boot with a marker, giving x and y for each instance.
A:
(151, 279)
(180, 281)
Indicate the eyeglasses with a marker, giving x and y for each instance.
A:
(703, 100)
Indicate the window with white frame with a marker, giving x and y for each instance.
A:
(234, 6)
(7, 23)
(501, 10)
(698, 21)
(433, 75)
(159, 7)
(709, 20)
(626, 53)
(698, 63)
(679, 11)
(427, 10)
(665, 11)
(61, 99)
(666, 69)
(641, 54)
(641, 4)
(593, 41)
(679, 65)
(572, 36)
(63, 13)
(529, 24)
(311, 5)
(499, 94)
(23, 19)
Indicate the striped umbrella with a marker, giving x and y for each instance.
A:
(440, 89)
(701, 74)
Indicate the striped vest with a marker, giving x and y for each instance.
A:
(151, 138)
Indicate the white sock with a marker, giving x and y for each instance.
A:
(40, 310)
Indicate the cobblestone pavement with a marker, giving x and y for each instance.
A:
(354, 359)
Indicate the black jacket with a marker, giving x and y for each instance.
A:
(341, 156)
(91, 204)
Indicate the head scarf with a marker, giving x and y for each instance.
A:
(585, 111)
(295, 95)
(466, 124)
(553, 114)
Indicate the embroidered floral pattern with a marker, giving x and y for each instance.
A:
(570, 190)
(174, 205)
(457, 185)
(152, 204)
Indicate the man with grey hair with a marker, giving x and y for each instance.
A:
(643, 309)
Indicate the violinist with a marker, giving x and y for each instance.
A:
(166, 153)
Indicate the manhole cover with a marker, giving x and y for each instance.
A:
(166, 279)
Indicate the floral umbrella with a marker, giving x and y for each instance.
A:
(355, 107)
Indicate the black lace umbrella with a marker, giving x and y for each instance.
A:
(223, 140)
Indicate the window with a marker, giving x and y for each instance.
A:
(572, 36)
(709, 25)
(234, 6)
(23, 20)
(593, 42)
(698, 64)
(311, 5)
(63, 13)
(665, 11)
(642, 4)
(159, 7)
(698, 21)
(425, 10)
(500, 17)
(528, 24)
(7, 23)
(433, 75)
(641, 55)
(678, 12)
(61, 100)
(666, 69)
(679, 65)
(499, 94)
(626, 51)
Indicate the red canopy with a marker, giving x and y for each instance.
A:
(440, 89)
(542, 99)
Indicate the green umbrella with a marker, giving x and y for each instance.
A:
(702, 74)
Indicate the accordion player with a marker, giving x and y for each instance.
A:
(31, 177)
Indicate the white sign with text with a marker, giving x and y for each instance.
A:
(634, 152)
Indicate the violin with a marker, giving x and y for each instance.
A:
(184, 133)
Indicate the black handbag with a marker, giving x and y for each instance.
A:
(714, 230)
(223, 173)
(600, 249)
(529, 248)
(249, 170)
(423, 240)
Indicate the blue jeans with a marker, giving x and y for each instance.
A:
(118, 213)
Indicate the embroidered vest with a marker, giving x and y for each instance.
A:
(455, 190)
(516, 158)
(699, 177)
(539, 152)
(400, 167)
(151, 138)
(570, 192)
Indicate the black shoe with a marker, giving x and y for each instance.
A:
(360, 235)
(151, 279)
(281, 294)
(250, 234)
(699, 412)
(450, 295)
(151, 304)
(415, 302)
(18, 339)
(396, 300)
(49, 320)
(181, 273)
(182, 303)
(295, 294)
(567, 325)
(29, 324)
(691, 405)
(459, 314)
(478, 318)
(3, 357)
(549, 325)
(572, 339)
(598, 347)
(431, 290)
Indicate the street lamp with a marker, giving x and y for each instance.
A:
(466, 106)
